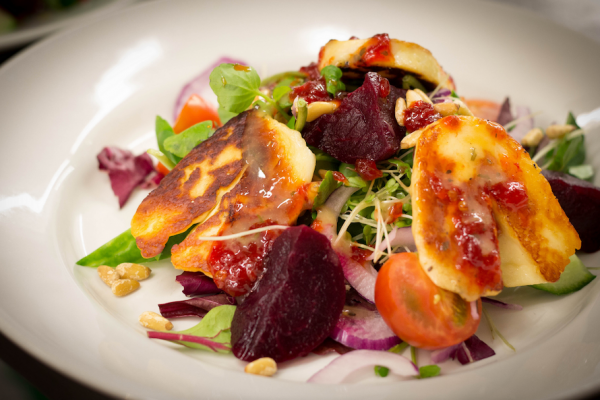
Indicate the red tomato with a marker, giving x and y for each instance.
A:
(162, 169)
(194, 111)
(419, 312)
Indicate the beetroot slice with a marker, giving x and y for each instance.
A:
(364, 125)
(296, 303)
(581, 202)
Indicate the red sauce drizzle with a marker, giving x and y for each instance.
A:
(367, 169)
(419, 115)
(237, 263)
(311, 91)
(378, 49)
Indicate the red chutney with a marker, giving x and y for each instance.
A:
(367, 169)
(237, 264)
(395, 212)
(359, 254)
(312, 70)
(311, 91)
(378, 49)
(338, 176)
(419, 115)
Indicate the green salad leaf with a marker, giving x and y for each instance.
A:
(333, 76)
(118, 250)
(163, 132)
(225, 115)
(235, 85)
(279, 91)
(584, 171)
(181, 144)
(429, 371)
(215, 326)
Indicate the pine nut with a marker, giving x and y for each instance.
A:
(265, 366)
(123, 287)
(447, 108)
(412, 97)
(411, 139)
(315, 109)
(399, 110)
(157, 322)
(133, 271)
(532, 138)
(424, 97)
(558, 131)
(108, 274)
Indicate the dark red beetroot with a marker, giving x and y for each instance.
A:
(295, 304)
(364, 126)
(581, 202)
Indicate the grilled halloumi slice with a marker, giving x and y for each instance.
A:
(484, 216)
(275, 187)
(391, 58)
(190, 192)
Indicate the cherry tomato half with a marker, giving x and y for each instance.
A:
(194, 111)
(419, 312)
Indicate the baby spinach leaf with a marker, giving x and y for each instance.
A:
(163, 132)
(119, 250)
(327, 186)
(333, 76)
(235, 85)
(215, 326)
(181, 144)
(583, 172)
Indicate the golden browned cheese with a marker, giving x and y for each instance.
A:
(396, 60)
(484, 216)
(188, 194)
(275, 188)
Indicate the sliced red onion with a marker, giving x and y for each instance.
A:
(340, 368)
(502, 304)
(361, 276)
(471, 350)
(439, 356)
(360, 326)
(197, 284)
(178, 337)
(126, 171)
(524, 125)
(200, 85)
(441, 96)
(196, 307)
(331, 346)
(505, 116)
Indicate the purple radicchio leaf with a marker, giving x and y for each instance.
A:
(502, 304)
(505, 116)
(197, 284)
(196, 307)
(125, 170)
(471, 350)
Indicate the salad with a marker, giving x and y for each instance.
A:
(357, 205)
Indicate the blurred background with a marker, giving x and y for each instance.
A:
(25, 22)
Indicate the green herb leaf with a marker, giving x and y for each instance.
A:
(381, 371)
(292, 123)
(118, 250)
(279, 91)
(429, 371)
(572, 121)
(183, 143)
(163, 132)
(584, 171)
(453, 94)
(333, 76)
(225, 115)
(568, 152)
(410, 82)
(216, 326)
(327, 186)
(236, 86)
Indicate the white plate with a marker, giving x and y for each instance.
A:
(39, 25)
(66, 98)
